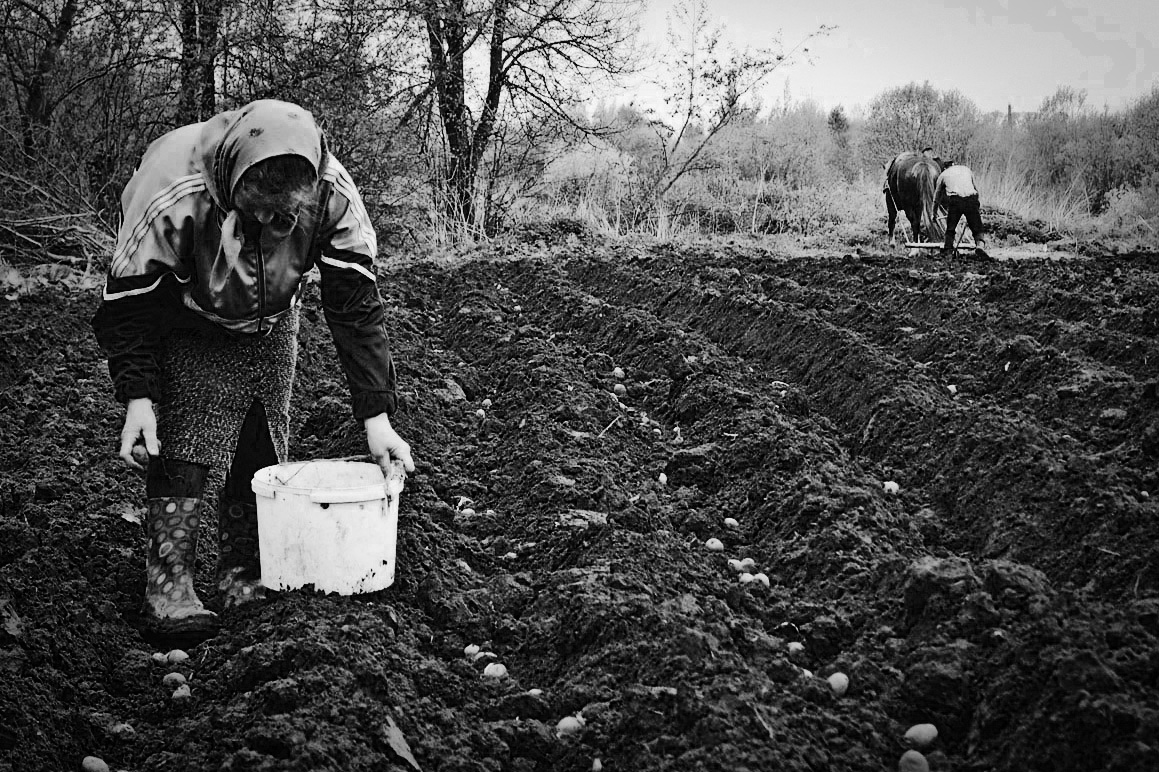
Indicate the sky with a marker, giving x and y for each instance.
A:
(996, 52)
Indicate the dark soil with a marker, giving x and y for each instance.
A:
(1008, 592)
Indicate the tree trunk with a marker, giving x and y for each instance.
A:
(446, 35)
(37, 109)
(200, 30)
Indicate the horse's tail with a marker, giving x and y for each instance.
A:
(927, 187)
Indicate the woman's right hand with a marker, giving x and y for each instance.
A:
(140, 429)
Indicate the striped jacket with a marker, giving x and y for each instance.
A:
(183, 260)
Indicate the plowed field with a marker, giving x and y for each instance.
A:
(948, 472)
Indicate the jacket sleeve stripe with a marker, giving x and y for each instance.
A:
(168, 196)
(342, 183)
(110, 295)
(351, 266)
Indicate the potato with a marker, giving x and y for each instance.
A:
(912, 761)
(921, 735)
(495, 670)
(838, 684)
(569, 725)
(714, 545)
(93, 764)
(173, 680)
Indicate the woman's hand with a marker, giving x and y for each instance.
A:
(140, 428)
(385, 444)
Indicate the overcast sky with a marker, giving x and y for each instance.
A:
(996, 52)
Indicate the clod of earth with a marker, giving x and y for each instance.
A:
(1011, 597)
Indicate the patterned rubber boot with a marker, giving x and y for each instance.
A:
(172, 609)
(239, 567)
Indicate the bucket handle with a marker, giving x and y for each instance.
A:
(392, 485)
(349, 495)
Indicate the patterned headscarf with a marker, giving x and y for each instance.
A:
(233, 141)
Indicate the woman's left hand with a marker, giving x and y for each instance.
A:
(385, 444)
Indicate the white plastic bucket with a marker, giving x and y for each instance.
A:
(332, 524)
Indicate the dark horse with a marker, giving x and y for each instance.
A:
(910, 182)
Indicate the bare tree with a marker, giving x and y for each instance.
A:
(34, 35)
(708, 86)
(914, 117)
(200, 23)
(545, 53)
(76, 92)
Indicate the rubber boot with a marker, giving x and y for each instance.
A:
(239, 567)
(172, 610)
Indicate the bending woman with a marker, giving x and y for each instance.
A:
(199, 321)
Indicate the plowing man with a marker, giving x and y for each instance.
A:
(958, 193)
(199, 321)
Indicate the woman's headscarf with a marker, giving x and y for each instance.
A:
(233, 141)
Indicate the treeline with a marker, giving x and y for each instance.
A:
(461, 118)
(795, 167)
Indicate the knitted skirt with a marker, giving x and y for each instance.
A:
(210, 379)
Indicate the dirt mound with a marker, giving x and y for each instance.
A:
(943, 470)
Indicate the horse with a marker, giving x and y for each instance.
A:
(910, 182)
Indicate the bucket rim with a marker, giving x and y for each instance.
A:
(264, 483)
